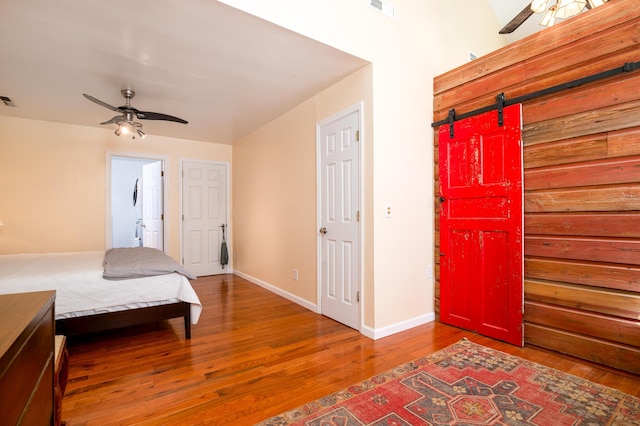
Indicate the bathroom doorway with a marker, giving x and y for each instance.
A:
(137, 202)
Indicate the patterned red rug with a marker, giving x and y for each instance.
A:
(469, 384)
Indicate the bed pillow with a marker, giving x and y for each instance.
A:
(137, 262)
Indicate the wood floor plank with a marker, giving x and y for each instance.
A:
(252, 355)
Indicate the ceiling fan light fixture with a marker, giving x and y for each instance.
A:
(569, 8)
(558, 9)
(538, 6)
(596, 3)
(550, 17)
(128, 114)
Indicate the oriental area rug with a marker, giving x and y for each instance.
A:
(469, 384)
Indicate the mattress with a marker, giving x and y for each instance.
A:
(81, 290)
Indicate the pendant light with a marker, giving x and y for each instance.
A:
(569, 8)
(538, 6)
(550, 17)
(562, 9)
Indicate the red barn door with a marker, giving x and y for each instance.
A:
(481, 224)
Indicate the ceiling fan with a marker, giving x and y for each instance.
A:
(126, 120)
(560, 9)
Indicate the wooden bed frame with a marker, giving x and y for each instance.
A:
(119, 319)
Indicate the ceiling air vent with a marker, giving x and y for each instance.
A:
(384, 7)
(7, 101)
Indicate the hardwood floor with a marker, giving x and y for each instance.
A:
(252, 355)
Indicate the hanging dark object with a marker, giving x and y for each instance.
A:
(135, 193)
(224, 253)
(517, 20)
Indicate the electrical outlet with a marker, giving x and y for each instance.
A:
(295, 275)
(387, 210)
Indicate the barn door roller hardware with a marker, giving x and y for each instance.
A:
(501, 99)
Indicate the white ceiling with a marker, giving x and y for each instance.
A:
(224, 71)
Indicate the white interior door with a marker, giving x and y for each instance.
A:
(152, 205)
(204, 207)
(339, 152)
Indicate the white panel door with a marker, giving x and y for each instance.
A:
(152, 205)
(204, 206)
(339, 228)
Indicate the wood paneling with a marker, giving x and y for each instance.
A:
(603, 172)
(582, 178)
(606, 224)
(585, 98)
(584, 346)
(567, 54)
(624, 304)
(595, 325)
(568, 151)
(594, 199)
(615, 117)
(599, 250)
(613, 276)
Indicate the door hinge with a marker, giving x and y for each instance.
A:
(183, 218)
(162, 217)
(357, 135)
(162, 173)
(358, 216)
(358, 296)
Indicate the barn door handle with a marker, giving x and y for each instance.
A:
(323, 230)
(442, 199)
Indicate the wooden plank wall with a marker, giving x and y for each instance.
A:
(582, 178)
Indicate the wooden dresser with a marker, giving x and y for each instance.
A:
(26, 358)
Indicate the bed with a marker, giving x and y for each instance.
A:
(86, 301)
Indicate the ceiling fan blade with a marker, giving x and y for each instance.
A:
(147, 115)
(517, 20)
(99, 102)
(117, 119)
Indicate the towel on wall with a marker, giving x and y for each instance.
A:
(224, 253)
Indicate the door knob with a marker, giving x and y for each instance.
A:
(323, 230)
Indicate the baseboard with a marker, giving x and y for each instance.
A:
(292, 297)
(379, 333)
(372, 333)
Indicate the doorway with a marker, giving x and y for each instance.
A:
(136, 202)
(339, 228)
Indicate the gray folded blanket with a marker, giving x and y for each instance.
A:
(137, 262)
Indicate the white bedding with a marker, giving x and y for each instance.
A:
(80, 288)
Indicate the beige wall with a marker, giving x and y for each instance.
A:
(426, 39)
(274, 190)
(52, 183)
